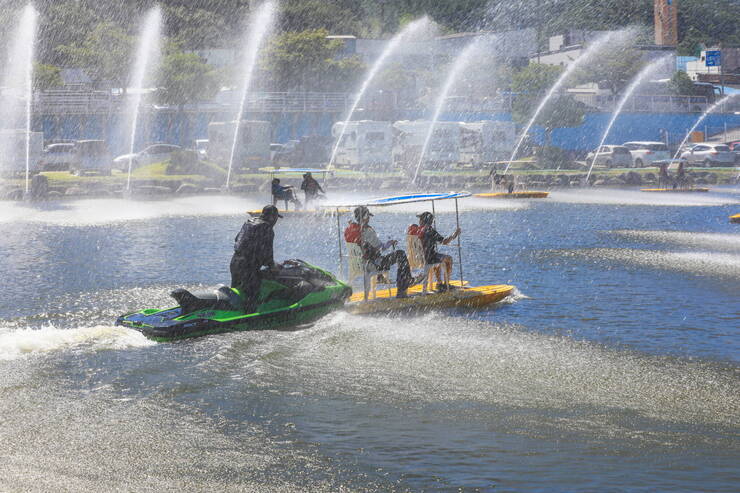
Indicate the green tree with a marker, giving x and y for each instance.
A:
(613, 70)
(46, 77)
(183, 79)
(306, 61)
(532, 83)
(682, 84)
(105, 53)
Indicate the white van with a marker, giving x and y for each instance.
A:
(486, 141)
(443, 149)
(363, 144)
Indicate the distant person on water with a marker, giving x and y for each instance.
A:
(361, 233)
(664, 179)
(680, 176)
(311, 188)
(252, 252)
(429, 240)
(495, 179)
(285, 193)
(512, 184)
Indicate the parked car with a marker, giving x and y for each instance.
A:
(57, 157)
(708, 154)
(155, 153)
(91, 156)
(645, 153)
(610, 156)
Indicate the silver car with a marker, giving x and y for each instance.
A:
(709, 155)
(610, 156)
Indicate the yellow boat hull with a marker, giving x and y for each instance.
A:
(699, 189)
(470, 297)
(513, 195)
(735, 218)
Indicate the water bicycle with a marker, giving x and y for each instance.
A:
(297, 210)
(524, 194)
(296, 294)
(420, 297)
(677, 190)
(735, 219)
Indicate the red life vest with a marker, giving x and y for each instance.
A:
(353, 233)
(416, 230)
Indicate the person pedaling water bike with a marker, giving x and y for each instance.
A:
(253, 252)
(311, 188)
(361, 233)
(429, 239)
(285, 193)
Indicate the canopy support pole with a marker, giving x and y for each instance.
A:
(339, 242)
(459, 246)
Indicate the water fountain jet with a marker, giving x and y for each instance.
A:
(18, 84)
(587, 55)
(390, 48)
(647, 70)
(701, 119)
(147, 57)
(461, 62)
(259, 26)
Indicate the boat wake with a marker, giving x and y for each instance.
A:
(18, 343)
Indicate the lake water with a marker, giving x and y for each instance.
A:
(615, 366)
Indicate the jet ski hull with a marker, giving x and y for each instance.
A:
(223, 315)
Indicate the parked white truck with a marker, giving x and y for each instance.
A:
(486, 141)
(443, 149)
(13, 151)
(364, 144)
(252, 148)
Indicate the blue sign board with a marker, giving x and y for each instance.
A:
(713, 58)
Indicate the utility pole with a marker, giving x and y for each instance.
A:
(721, 70)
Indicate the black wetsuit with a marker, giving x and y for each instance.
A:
(252, 250)
(429, 241)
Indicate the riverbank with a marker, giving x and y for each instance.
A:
(154, 180)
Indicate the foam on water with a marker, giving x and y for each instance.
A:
(436, 358)
(714, 241)
(23, 342)
(104, 211)
(607, 196)
(707, 264)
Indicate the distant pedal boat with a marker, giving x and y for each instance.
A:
(524, 194)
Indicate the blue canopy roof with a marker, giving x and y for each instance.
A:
(405, 199)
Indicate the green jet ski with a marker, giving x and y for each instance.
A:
(298, 293)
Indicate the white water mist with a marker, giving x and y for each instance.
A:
(390, 48)
(259, 27)
(144, 65)
(461, 62)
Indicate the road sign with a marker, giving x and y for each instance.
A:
(713, 58)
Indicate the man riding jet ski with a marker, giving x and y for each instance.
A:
(262, 295)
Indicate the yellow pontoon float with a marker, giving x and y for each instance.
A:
(375, 300)
(677, 190)
(285, 212)
(524, 194)
(735, 218)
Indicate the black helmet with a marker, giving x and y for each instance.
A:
(361, 212)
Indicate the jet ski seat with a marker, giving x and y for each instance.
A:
(221, 298)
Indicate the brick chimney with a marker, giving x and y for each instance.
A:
(666, 22)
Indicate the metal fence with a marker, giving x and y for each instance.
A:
(61, 102)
